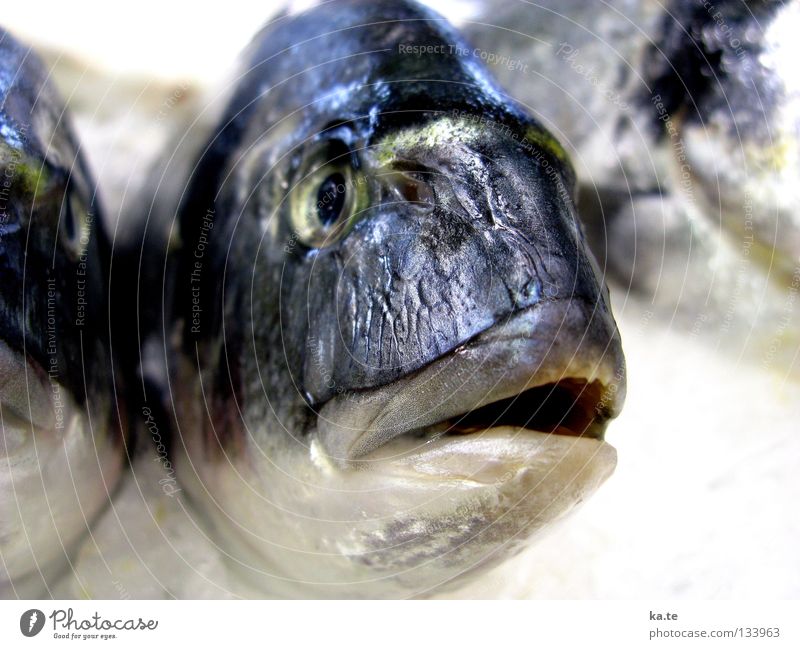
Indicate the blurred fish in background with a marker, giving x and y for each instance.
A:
(62, 450)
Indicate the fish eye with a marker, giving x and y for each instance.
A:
(327, 196)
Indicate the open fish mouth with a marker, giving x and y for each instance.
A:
(479, 450)
(568, 407)
(555, 369)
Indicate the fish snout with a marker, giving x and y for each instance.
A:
(554, 368)
(411, 285)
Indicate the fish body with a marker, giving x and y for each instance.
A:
(62, 450)
(392, 359)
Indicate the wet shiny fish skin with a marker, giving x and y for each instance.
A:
(62, 448)
(459, 266)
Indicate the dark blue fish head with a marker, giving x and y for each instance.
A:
(376, 202)
(379, 250)
(53, 250)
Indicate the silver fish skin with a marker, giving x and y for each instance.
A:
(62, 448)
(390, 355)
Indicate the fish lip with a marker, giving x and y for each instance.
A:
(544, 344)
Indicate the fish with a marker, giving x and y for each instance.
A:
(388, 354)
(727, 79)
(683, 119)
(63, 447)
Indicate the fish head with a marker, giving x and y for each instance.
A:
(54, 363)
(51, 235)
(413, 361)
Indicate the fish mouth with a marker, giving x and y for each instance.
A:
(571, 406)
(554, 369)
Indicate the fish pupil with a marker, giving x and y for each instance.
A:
(330, 198)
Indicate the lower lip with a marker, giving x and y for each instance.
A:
(493, 456)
